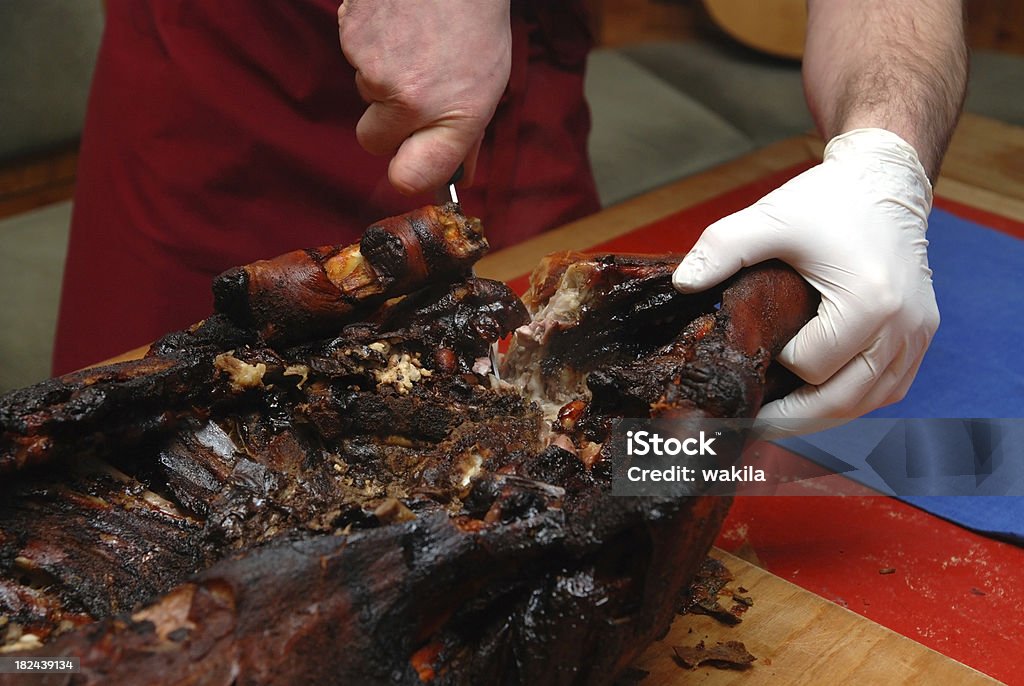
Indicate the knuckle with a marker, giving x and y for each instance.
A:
(815, 377)
(923, 322)
(874, 278)
(721, 229)
(932, 320)
(475, 114)
(812, 369)
(883, 299)
(366, 141)
(369, 139)
(370, 74)
(347, 9)
(899, 395)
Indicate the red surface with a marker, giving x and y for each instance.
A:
(951, 590)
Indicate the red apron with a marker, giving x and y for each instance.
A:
(223, 132)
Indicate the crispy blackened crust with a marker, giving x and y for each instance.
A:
(372, 506)
(518, 602)
(308, 293)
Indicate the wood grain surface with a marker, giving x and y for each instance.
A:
(799, 638)
(985, 166)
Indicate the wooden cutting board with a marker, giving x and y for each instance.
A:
(799, 638)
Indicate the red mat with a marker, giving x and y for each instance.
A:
(949, 589)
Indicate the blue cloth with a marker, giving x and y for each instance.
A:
(974, 369)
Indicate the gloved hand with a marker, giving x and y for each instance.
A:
(854, 227)
(433, 73)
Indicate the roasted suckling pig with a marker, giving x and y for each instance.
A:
(324, 481)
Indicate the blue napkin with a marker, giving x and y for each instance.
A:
(974, 369)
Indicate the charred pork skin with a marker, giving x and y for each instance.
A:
(593, 311)
(610, 335)
(308, 293)
(720, 364)
(381, 422)
(344, 493)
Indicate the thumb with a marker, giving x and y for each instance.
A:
(429, 157)
(739, 240)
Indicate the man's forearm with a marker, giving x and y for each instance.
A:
(900, 66)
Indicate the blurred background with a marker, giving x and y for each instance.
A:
(675, 87)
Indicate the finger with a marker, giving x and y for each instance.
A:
(827, 342)
(771, 428)
(384, 127)
(365, 89)
(857, 388)
(885, 387)
(776, 419)
(428, 158)
(739, 240)
(899, 391)
(802, 408)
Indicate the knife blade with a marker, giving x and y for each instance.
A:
(456, 177)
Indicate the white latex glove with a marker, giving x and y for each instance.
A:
(854, 227)
(432, 73)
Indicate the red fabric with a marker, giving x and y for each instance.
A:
(223, 132)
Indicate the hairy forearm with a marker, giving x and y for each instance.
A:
(900, 66)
